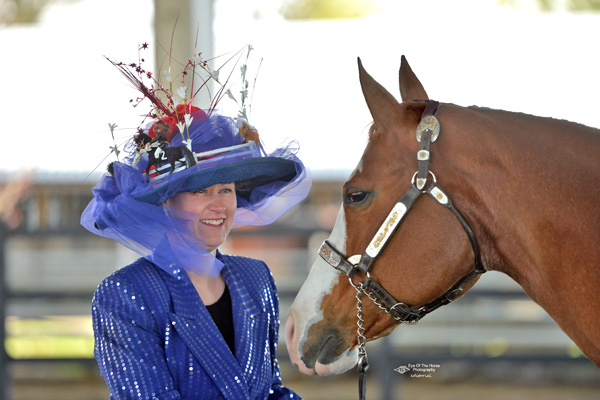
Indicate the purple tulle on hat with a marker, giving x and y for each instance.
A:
(162, 237)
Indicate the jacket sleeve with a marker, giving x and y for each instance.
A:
(278, 391)
(129, 347)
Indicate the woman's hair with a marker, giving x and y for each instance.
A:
(243, 189)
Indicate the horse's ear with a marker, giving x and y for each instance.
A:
(380, 102)
(410, 86)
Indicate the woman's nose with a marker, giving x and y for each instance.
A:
(217, 204)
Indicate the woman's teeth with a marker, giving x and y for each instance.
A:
(215, 222)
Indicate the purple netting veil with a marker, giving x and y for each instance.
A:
(276, 198)
(160, 236)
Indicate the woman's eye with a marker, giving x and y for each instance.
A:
(356, 197)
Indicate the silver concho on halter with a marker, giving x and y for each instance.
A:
(331, 257)
(429, 122)
(421, 182)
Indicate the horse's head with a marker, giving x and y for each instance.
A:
(428, 254)
(141, 140)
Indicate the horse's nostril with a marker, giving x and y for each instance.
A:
(289, 331)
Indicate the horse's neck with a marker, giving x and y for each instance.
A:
(531, 185)
(537, 177)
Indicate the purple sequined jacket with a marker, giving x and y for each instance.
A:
(156, 340)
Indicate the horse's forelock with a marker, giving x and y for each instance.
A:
(411, 114)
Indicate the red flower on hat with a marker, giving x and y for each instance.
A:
(180, 112)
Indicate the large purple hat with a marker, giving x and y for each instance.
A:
(185, 149)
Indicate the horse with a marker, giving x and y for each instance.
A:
(494, 190)
(159, 151)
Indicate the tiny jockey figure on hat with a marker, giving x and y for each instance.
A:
(185, 321)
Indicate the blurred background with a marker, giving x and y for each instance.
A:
(59, 94)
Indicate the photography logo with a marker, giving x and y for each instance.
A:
(418, 370)
(402, 369)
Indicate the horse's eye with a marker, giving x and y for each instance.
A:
(354, 197)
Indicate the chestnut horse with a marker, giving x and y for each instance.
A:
(527, 187)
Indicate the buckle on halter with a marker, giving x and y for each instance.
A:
(453, 294)
(402, 312)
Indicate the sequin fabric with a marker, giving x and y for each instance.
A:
(156, 340)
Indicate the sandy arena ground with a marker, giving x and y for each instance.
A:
(344, 389)
(91, 387)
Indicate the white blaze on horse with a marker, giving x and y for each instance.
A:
(496, 190)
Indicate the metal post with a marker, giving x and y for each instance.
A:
(5, 383)
(388, 379)
(194, 23)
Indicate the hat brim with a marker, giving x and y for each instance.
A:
(253, 172)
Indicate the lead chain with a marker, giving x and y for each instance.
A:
(361, 340)
(363, 363)
(377, 302)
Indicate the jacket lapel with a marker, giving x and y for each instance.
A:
(198, 331)
(245, 310)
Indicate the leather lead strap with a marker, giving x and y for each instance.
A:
(363, 368)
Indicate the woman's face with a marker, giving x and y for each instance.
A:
(215, 208)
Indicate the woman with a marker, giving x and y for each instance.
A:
(185, 321)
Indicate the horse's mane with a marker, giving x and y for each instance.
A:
(545, 122)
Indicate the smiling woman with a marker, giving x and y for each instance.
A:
(161, 323)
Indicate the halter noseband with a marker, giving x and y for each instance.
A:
(427, 132)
